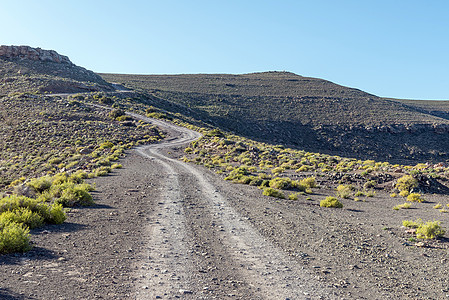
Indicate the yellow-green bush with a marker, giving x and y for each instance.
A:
(40, 184)
(22, 215)
(309, 182)
(402, 206)
(427, 230)
(406, 183)
(344, 191)
(280, 183)
(14, 237)
(331, 202)
(415, 197)
(273, 193)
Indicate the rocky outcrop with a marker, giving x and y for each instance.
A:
(35, 54)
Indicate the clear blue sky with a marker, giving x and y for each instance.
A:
(394, 48)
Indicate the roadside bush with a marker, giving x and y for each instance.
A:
(215, 132)
(280, 183)
(22, 215)
(331, 202)
(57, 214)
(273, 193)
(237, 173)
(14, 237)
(123, 118)
(70, 194)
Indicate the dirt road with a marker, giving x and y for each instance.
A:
(199, 247)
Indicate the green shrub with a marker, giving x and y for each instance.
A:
(22, 215)
(40, 184)
(57, 214)
(404, 193)
(114, 114)
(215, 132)
(412, 224)
(344, 191)
(370, 184)
(71, 194)
(237, 173)
(406, 183)
(273, 193)
(415, 197)
(294, 196)
(438, 206)
(430, 230)
(116, 166)
(309, 182)
(303, 168)
(22, 206)
(277, 170)
(331, 202)
(123, 118)
(78, 176)
(359, 194)
(14, 237)
(402, 206)
(280, 183)
(106, 144)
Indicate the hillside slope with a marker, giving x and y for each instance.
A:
(307, 113)
(27, 69)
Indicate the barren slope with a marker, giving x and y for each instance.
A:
(307, 113)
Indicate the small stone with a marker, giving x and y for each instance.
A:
(184, 292)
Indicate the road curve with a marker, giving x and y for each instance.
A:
(199, 247)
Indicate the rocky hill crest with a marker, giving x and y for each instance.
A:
(35, 70)
(36, 54)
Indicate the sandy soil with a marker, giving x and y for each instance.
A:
(163, 229)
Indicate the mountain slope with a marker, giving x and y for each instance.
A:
(27, 69)
(307, 113)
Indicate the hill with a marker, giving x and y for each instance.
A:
(34, 70)
(43, 134)
(302, 112)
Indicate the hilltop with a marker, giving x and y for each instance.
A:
(306, 113)
(35, 70)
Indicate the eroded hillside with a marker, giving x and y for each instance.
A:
(306, 113)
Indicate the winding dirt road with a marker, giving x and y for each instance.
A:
(199, 247)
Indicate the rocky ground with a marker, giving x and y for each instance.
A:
(163, 229)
